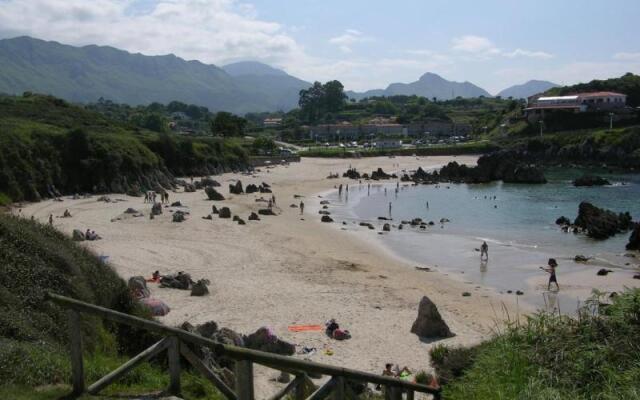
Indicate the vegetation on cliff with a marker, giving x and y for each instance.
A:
(50, 144)
(594, 355)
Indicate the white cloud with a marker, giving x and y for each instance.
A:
(348, 39)
(627, 56)
(483, 48)
(212, 31)
(473, 44)
(528, 53)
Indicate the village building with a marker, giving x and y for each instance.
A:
(539, 106)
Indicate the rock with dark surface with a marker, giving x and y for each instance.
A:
(429, 323)
(241, 221)
(209, 217)
(200, 288)
(603, 272)
(189, 188)
(178, 216)
(324, 202)
(386, 228)
(265, 189)
(253, 217)
(266, 211)
(209, 182)
(176, 204)
(236, 188)
(351, 173)
(634, 239)
(213, 194)
(224, 212)
(265, 340)
(156, 209)
(591, 180)
(326, 218)
(600, 223)
(530, 174)
(580, 258)
(324, 212)
(563, 221)
(380, 174)
(251, 188)
(214, 210)
(78, 235)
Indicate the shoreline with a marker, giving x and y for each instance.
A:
(283, 270)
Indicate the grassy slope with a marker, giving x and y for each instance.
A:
(48, 141)
(35, 258)
(594, 356)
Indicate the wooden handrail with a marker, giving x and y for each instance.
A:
(239, 353)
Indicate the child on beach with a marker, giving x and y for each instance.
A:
(552, 273)
(484, 251)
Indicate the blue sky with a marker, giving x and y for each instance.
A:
(365, 44)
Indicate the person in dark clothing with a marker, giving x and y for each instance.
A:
(552, 273)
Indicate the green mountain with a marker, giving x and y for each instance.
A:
(273, 86)
(527, 89)
(85, 74)
(429, 85)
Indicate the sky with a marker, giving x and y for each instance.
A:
(366, 44)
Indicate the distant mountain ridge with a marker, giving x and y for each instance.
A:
(429, 85)
(84, 74)
(527, 89)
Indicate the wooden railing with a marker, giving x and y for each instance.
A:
(175, 340)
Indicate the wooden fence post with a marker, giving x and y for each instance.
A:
(339, 391)
(173, 353)
(244, 380)
(299, 389)
(75, 342)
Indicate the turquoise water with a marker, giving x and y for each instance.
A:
(517, 221)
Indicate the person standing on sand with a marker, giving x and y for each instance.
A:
(51, 219)
(552, 273)
(273, 198)
(389, 209)
(340, 190)
(301, 207)
(484, 251)
(368, 188)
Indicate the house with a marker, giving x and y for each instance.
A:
(388, 143)
(272, 122)
(587, 102)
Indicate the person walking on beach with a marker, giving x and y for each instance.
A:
(273, 198)
(484, 251)
(389, 209)
(51, 219)
(427, 205)
(340, 190)
(368, 188)
(552, 273)
(301, 207)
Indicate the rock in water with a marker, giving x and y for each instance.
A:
(600, 223)
(78, 236)
(429, 323)
(224, 212)
(213, 194)
(386, 228)
(589, 180)
(236, 188)
(634, 239)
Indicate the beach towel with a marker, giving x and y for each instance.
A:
(305, 328)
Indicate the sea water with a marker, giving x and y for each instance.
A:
(516, 220)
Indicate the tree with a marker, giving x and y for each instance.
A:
(227, 125)
(319, 100)
(263, 144)
(154, 122)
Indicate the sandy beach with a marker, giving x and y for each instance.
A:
(288, 269)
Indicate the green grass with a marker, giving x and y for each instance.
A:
(593, 356)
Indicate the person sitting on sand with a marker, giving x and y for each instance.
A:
(387, 370)
(331, 326)
(552, 273)
(484, 251)
(87, 234)
(155, 277)
(66, 214)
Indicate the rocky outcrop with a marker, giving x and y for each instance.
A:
(326, 218)
(200, 288)
(429, 323)
(634, 239)
(236, 188)
(224, 212)
(213, 194)
(591, 180)
(351, 173)
(253, 217)
(265, 340)
(189, 188)
(386, 228)
(178, 216)
(599, 223)
(251, 188)
(266, 211)
(156, 209)
(379, 174)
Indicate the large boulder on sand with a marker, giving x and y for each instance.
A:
(178, 216)
(236, 188)
(266, 211)
(326, 218)
(224, 212)
(213, 194)
(200, 288)
(254, 217)
(429, 323)
(634, 239)
(156, 209)
(251, 188)
(189, 188)
(265, 340)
